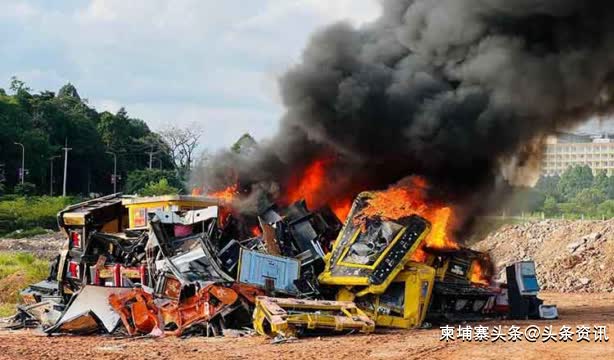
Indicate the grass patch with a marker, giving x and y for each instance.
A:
(7, 310)
(21, 212)
(17, 271)
(11, 262)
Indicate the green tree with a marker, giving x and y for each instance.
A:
(574, 180)
(25, 189)
(551, 207)
(548, 185)
(18, 85)
(44, 123)
(587, 200)
(606, 209)
(158, 188)
(245, 144)
(141, 179)
(601, 181)
(69, 90)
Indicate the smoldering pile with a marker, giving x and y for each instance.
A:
(449, 90)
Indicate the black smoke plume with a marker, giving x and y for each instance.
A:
(446, 89)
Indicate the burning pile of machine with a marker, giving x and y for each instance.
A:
(188, 265)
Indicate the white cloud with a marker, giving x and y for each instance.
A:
(183, 60)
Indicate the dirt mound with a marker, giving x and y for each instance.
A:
(570, 255)
(44, 246)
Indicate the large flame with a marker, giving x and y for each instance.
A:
(478, 274)
(312, 185)
(226, 195)
(401, 201)
(341, 208)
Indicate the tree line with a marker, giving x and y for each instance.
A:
(46, 122)
(576, 193)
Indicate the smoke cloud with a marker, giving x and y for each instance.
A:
(446, 89)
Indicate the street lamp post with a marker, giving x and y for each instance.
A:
(51, 174)
(114, 171)
(22, 173)
(66, 150)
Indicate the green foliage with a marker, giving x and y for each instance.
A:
(160, 188)
(25, 189)
(44, 123)
(577, 194)
(551, 207)
(69, 90)
(245, 142)
(606, 208)
(140, 179)
(573, 180)
(548, 185)
(22, 213)
(586, 200)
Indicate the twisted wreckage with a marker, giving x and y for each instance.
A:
(188, 265)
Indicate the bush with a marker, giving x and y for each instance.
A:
(25, 189)
(140, 179)
(23, 213)
(160, 188)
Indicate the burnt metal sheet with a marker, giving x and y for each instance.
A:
(94, 300)
(189, 218)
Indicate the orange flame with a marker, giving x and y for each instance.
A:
(401, 201)
(255, 230)
(478, 275)
(419, 255)
(309, 185)
(341, 208)
(225, 196)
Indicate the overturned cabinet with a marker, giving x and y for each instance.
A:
(289, 317)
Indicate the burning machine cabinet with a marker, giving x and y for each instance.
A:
(371, 264)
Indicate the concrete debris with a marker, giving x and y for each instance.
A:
(571, 255)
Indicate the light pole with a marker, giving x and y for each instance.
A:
(22, 173)
(151, 157)
(66, 150)
(51, 174)
(114, 171)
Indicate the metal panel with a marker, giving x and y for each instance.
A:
(92, 300)
(257, 269)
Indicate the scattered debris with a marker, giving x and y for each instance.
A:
(190, 265)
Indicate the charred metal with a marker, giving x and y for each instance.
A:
(189, 265)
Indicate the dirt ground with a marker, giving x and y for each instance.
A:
(575, 309)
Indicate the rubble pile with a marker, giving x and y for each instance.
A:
(182, 265)
(192, 265)
(572, 255)
(44, 246)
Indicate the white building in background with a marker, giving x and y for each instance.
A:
(568, 150)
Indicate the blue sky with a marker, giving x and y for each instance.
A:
(210, 62)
